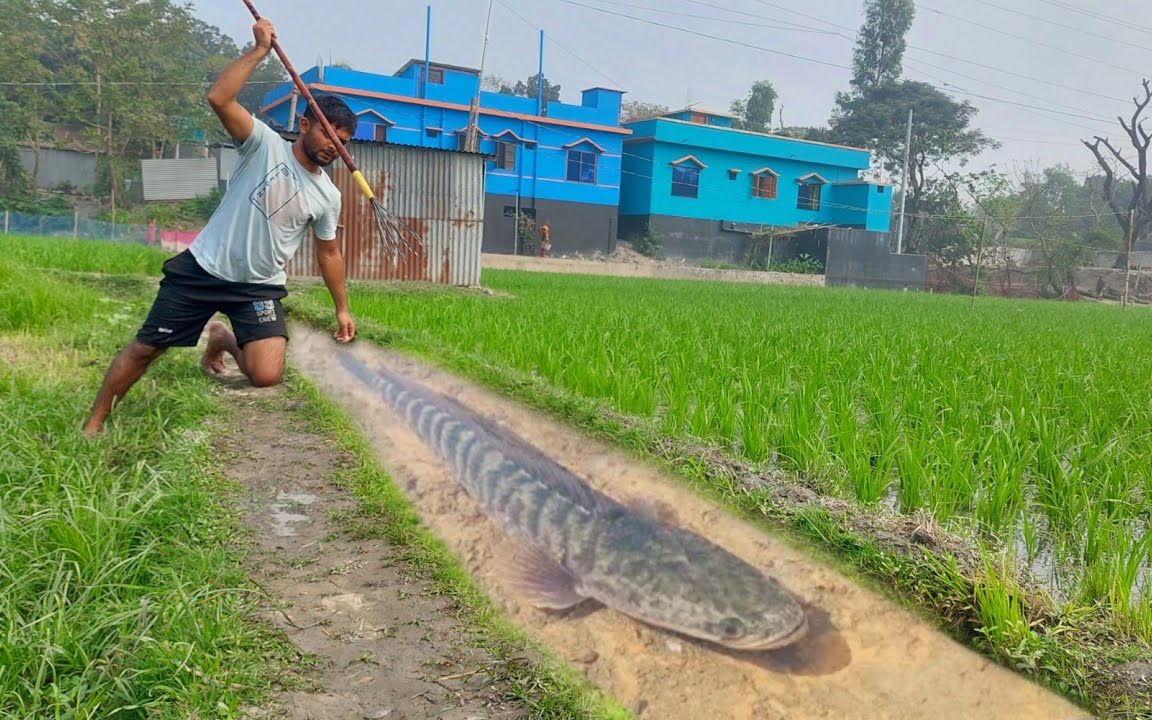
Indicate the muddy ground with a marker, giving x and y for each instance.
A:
(383, 645)
(867, 657)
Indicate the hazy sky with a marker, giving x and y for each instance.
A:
(1081, 61)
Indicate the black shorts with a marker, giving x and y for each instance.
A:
(189, 297)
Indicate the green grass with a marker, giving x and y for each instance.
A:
(547, 688)
(122, 594)
(1021, 426)
(90, 256)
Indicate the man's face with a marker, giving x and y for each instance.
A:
(317, 146)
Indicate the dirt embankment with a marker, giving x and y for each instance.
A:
(867, 657)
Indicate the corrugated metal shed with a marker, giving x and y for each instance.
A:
(438, 194)
(178, 179)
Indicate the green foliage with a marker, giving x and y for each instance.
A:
(879, 55)
(755, 111)
(638, 109)
(649, 244)
(186, 214)
(133, 76)
(530, 88)
(805, 264)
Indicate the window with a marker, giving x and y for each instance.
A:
(685, 181)
(880, 189)
(809, 197)
(380, 133)
(582, 167)
(435, 75)
(505, 156)
(764, 185)
(698, 118)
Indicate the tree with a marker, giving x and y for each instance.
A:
(1135, 216)
(877, 119)
(28, 97)
(879, 54)
(755, 111)
(492, 82)
(528, 89)
(639, 110)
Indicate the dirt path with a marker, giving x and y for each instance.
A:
(386, 647)
(867, 659)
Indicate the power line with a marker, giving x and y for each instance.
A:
(1099, 16)
(1080, 30)
(711, 37)
(1071, 53)
(791, 27)
(855, 35)
(587, 64)
(1071, 112)
(89, 83)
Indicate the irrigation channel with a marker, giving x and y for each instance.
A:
(865, 657)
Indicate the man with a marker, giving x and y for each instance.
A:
(278, 192)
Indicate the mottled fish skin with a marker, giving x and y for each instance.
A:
(629, 561)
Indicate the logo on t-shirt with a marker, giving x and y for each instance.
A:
(280, 187)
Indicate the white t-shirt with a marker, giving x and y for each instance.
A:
(271, 202)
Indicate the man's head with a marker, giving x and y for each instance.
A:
(314, 142)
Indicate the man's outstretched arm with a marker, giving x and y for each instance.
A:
(331, 263)
(224, 93)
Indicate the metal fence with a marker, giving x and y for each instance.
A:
(73, 226)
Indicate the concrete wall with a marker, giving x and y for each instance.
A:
(862, 259)
(574, 227)
(646, 270)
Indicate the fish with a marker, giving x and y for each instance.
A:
(578, 544)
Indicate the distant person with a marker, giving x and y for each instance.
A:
(278, 193)
(545, 243)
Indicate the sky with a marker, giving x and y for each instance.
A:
(1044, 74)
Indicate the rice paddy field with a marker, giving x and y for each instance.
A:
(1021, 427)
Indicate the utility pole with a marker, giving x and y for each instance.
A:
(1128, 255)
(979, 258)
(472, 142)
(904, 185)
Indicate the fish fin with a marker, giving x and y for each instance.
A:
(543, 582)
(657, 510)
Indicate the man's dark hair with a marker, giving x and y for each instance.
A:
(336, 110)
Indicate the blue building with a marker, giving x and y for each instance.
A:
(557, 163)
(705, 187)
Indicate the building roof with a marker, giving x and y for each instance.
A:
(442, 66)
(699, 110)
(717, 128)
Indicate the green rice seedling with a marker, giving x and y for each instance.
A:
(95, 256)
(987, 417)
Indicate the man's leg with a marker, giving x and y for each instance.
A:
(262, 361)
(127, 367)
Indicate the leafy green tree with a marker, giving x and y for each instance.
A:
(879, 55)
(755, 111)
(528, 89)
(878, 120)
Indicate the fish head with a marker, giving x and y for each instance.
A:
(729, 602)
(770, 622)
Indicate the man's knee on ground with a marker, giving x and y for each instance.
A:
(266, 377)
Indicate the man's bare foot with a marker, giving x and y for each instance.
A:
(92, 429)
(219, 340)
